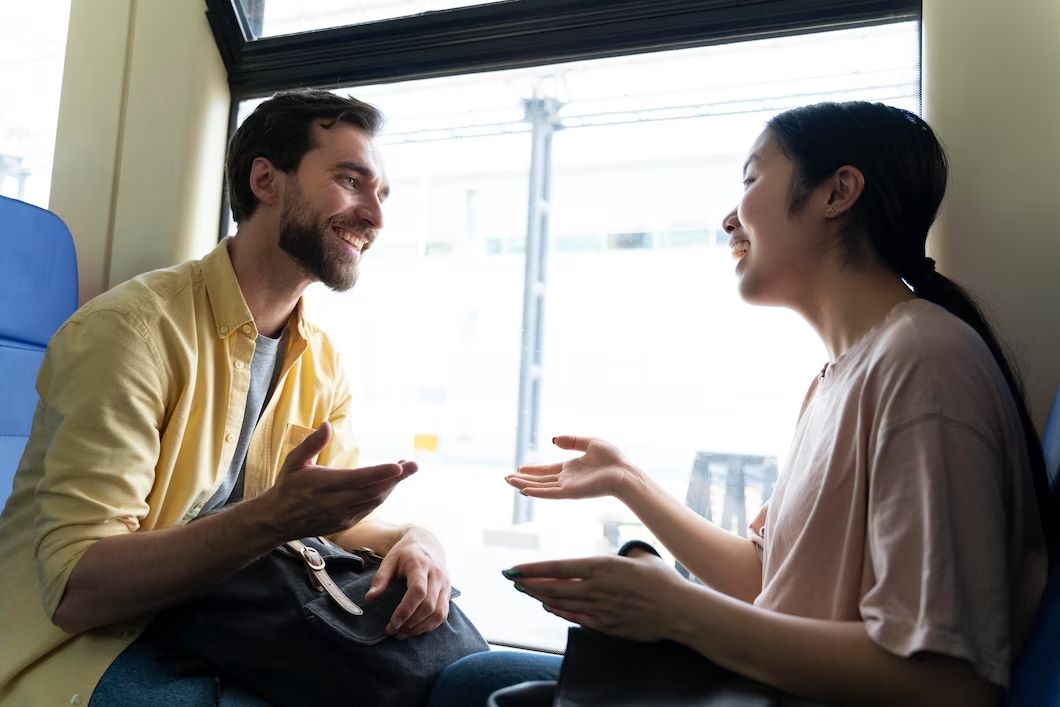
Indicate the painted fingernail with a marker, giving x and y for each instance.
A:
(510, 574)
(553, 440)
(521, 588)
(545, 607)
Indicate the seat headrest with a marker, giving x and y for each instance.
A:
(38, 273)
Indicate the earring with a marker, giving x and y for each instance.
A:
(830, 211)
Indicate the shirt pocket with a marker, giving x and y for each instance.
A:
(293, 436)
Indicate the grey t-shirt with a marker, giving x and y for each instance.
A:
(264, 369)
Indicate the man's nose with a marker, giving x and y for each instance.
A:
(370, 211)
(731, 222)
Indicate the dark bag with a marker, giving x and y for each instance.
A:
(604, 671)
(294, 628)
(601, 670)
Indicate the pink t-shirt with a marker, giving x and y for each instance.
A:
(907, 500)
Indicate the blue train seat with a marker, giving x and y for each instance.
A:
(38, 291)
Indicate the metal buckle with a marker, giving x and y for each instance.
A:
(312, 558)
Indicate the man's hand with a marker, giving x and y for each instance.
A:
(312, 500)
(419, 558)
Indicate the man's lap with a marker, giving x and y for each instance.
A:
(471, 680)
(146, 674)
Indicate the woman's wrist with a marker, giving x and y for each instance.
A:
(633, 485)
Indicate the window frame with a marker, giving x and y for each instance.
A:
(515, 34)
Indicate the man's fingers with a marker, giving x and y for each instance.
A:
(414, 596)
(423, 619)
(306, 452)
(579, 444)
(433, 619)
(382, 578)
(363, 478)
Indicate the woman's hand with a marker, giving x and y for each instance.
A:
(601, 471)
(630, 597)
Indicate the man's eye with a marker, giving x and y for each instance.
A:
(350, 182)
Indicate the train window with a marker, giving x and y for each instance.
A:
(270, 18)
(32, 50)
(606, 180)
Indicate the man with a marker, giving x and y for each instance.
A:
(202, 388)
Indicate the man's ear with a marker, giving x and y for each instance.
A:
(266, 181)
(845, 188)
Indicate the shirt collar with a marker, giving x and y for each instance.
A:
(230, 310)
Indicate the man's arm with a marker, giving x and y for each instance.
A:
(127, 576)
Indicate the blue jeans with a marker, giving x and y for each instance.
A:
(146, 675)
(471, 680)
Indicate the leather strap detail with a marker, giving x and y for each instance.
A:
(318, 575)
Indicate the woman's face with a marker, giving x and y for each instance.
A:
(777, 252)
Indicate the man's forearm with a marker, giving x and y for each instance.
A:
(125, 577)
(372, 533)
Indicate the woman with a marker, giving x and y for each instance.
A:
(901, 555)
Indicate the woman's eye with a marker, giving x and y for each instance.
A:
(747, 181)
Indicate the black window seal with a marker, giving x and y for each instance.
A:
(515, 34)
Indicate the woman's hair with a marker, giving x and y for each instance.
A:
(905, 177)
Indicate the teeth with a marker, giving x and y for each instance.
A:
(739, 249)
(357, 242)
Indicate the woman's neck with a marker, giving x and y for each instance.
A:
(847, 303)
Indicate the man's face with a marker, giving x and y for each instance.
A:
(333, 205)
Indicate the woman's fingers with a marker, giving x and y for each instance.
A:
(550, 589)
(540, 469)
(519, 480)
(579, 444)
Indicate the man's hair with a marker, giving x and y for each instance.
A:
(280, 130)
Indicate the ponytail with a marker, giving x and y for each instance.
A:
(939, 289)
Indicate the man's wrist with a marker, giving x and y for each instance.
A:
(257, 519)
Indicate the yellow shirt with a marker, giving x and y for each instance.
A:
(142, 393)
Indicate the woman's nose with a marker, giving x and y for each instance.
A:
(730, 223)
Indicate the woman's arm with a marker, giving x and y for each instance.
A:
(721, 559)
(724, 561)
(830, 661)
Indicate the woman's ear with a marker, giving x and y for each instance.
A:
(845, 188)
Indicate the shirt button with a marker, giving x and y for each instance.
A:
(75, 699)
(224, 330)
(239, 365)
(247, 329)
(229, 437)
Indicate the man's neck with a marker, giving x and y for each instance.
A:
(270, 281)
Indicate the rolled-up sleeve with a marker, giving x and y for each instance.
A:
(102, 402)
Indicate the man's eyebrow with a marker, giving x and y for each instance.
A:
(754, 156)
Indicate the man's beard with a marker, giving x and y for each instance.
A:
(307, 244)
